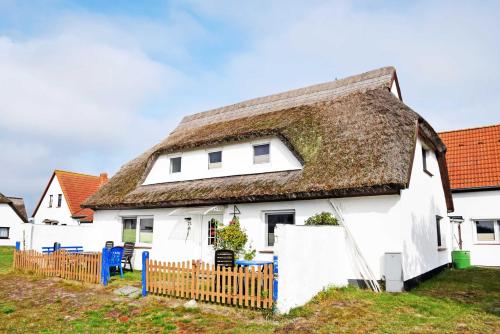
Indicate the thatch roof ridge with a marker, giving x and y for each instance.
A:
(382, 77)
(17, 204)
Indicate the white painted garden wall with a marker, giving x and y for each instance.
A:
(10, 219)
(237, 159)
(61, 214)
(478, 205)
(310, 259)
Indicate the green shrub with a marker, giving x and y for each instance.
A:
(323, 218)
(231, 237)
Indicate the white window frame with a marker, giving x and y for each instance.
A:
(51, 200)
(138, 229)
(496, 231)
(170, 164)
(8, 232)
(268, 155)
(275, 212)
(215, 165)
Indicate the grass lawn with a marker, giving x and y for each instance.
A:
(466, 301)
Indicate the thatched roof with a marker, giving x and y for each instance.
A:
(353, 136)
(17, 204)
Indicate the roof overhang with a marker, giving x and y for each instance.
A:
(199, 210)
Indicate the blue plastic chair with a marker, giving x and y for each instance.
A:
(115, 256)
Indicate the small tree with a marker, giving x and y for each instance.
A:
(323, 218)
(231, 237)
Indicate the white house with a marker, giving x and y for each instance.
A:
(61, 199)
(281, 159)
(12, 219)
(474, 167)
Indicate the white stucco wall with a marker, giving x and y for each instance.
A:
(420, 203)
(10, 219)
(310, 259)
(61, 214)
(237, 159)
(477, 205)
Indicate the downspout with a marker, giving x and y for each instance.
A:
(361, 263)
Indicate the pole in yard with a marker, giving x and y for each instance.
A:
(105, 266)
(18, 245)
(275, 279)
(145, 257)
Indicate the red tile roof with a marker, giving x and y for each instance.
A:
(473, 157)
(76, 188)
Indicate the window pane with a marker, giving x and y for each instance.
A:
(175, 165)
(4, 232)
(277, 218)
(59, 200)
(129, 229)
(261, 150)
(146, 232)
(212, 229)
(438, 229)
(424, 158)
(215, 157)
(485, 230)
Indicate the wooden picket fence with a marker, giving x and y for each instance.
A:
(238, 286)
(83, 267)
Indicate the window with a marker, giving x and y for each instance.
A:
(438, 230)
(51, 197)
(212, 231)
(272, 219)
(424, 161)
(485, 230)
(146, 233)
(175, 165)
(4, 232)
(59, 200)
(215, 159)
(261, 154)
(129, 229)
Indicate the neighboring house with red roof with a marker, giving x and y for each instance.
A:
(473, 159)
(61, 199)
(12, 217)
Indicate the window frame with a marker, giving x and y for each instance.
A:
(59, 200)
(425, 153)
(275, 212)
(214, 165)
(496, 231)
(8, 232)
(171, 164)
(211, 240)
(51, 200)
(138, 229)
(262, 155)
(439, 233)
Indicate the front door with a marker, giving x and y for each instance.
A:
(208, 229)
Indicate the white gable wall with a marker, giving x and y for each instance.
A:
(478, 205)
(61, 214)
(420, 203)
(237, 159)
(9, 218)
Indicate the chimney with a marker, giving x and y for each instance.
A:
(103, 178)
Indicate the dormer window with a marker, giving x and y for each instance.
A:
(175, 165)
(261, 154)
(214, 159)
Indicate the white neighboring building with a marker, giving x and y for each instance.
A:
(12, 219)
(61, 199)
(281, 159)
(474, 168)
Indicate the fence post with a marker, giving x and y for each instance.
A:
(275, 279)
(18, 245)
(145, 257)
(105, 266)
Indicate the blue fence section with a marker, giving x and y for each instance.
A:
(275, 280)
(105, 266)
(69, 249)
(18, 245)
(145, 256)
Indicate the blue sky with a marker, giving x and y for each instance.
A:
(87, 86)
